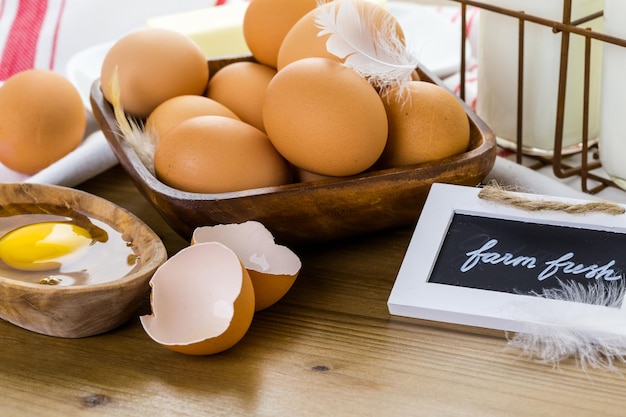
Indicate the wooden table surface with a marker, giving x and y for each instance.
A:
(329, 347)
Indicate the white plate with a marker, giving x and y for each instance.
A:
(434, 39)
(84, 68)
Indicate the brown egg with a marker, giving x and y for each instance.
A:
(302, 40)
(153, 65)
(172, 112)
(42, 119)
(324, 117)
(216, 154)
(266, 22)
(427, 123)
(241, 86)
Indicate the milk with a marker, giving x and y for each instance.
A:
(498, 74)
(612, 145)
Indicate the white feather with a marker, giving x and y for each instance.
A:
(592, 330)
(365, 41)
(143, 143)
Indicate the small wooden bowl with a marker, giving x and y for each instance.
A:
(308, 212)
(78, 310)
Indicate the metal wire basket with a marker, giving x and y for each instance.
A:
(566, 28)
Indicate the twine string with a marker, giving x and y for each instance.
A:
(496, 193)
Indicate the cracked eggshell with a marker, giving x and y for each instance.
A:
(202, 301)
(273, 268)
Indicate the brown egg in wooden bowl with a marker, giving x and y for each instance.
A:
(313, 211)
(71, 264)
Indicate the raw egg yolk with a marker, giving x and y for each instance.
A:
(43, 246)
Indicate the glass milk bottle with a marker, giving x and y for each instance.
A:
(612, 144)
(498, 75)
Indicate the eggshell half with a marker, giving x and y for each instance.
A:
(273, 268)
(202, 301)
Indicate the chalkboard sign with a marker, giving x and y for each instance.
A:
(481, 263)
(526, 257)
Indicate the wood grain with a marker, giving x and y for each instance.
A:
(328, 348)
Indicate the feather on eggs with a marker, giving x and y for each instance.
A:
(366, 39)
(142, 142)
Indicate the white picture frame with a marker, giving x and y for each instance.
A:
(413, 295)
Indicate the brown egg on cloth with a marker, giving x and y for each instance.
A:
(241, 86)
(216, 154)
(153, 65)
(426, 122)
(42, 119)
(324, 117)
(266, 22)
(273, 268)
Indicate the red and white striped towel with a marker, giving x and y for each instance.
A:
(31, 22)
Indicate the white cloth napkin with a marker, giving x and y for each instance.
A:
(92, 157)
(88, 160)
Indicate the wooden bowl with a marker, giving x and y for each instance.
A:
(77, 310)
(308, 212)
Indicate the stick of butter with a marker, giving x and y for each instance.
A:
(218, 30)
